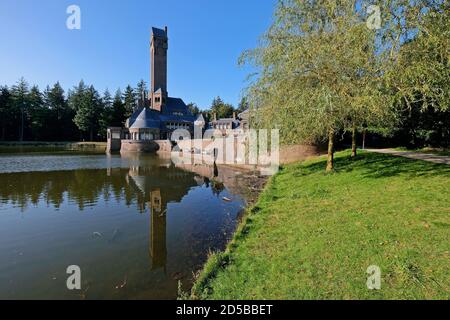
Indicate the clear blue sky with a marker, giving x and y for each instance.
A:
(111, 50)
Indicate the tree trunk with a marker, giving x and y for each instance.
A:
(21, 126)
(364, 139)
(330, 159)
(354, 141)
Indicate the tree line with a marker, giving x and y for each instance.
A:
(323, 71)
(27, 114)
(83, 114)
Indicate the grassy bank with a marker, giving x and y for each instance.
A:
(312, 235)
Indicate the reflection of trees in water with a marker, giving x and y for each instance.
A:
(85, 187)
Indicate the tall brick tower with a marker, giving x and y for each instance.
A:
(158, 52)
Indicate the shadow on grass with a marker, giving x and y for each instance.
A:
(375, 165)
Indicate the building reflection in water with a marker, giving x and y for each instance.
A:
(155, 193)
(150, 183)
(158, 248)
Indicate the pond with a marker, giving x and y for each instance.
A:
(136, 226)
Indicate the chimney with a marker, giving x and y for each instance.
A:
(214, 116)
(165, 29)
(234, 115)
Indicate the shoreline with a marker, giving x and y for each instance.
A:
(12, 147)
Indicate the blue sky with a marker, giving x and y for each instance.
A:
(111, 50)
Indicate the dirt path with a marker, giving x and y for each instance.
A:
(414, 155)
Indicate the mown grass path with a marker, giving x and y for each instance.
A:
(312, 235)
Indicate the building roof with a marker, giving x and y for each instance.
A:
(235, 123)
(244, 115)
(144, 118)
(160, 33)
(200, 118)
(225, 120)
(176, 106)
(175, 110)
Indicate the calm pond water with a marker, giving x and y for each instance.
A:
(135, 226)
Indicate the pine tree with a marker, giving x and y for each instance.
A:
(20, 103)
(193, 108)
(88, 112)
(106, 114)
(57, 102)
(38, 114)
(141, 92)
(118, 112)
(129, 99)
(5, 111)
(221, 109)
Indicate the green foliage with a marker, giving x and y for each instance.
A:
(19, 100)
(193, 108)
(6, 113)
(318, 71)
(141, 92)
(88, 112)
(38, 113)
(118, 116)
(106, 114)
(420, 72)
(243, 105)
(220, 108)
(129, 99)
(29, 114)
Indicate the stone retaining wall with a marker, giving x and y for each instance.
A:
(139, 146)
(287, 154)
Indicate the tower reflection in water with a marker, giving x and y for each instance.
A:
(156, 193)
(158, 248)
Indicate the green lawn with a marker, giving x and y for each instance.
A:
(312, 235)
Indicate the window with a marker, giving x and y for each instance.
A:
(115, 135)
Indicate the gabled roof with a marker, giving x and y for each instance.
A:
(244, 114)
(160, 33)
(176, 106)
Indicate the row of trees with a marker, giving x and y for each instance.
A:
(27, 114)
(324, 70)
(83, 114)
